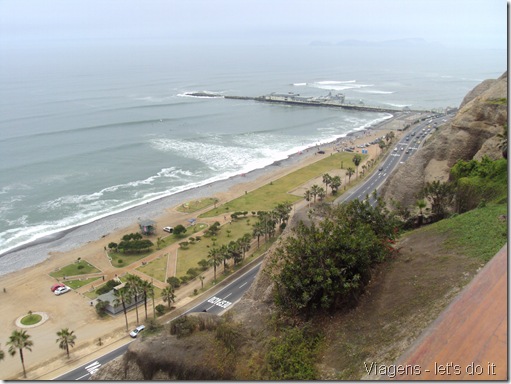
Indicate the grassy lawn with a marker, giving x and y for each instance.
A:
(120, 260)
(78, 268)
(196, 205)
(188, 258)
(478, 233)
(156, 268)
(75, 284)
(171, 239)
(31, 319)
(276, 192)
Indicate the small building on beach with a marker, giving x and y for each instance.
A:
(147, 227)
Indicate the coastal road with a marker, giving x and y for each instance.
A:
(220, 302)
(402, 151)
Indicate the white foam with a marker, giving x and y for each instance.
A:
(374, 91)
(338, 85)
(333, 82)
(213, 95)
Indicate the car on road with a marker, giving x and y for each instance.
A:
(168, 229)
(380, 169)
(62, 290)
(137, 330)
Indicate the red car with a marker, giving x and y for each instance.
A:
(55, 286)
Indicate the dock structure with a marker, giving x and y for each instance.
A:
(336, 101)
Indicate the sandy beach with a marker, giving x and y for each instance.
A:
(28, 289)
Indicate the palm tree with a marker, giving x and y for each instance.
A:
(20, 340)
(315, 191)
(382, 145)
(201, 278)
(389, 136)
(356, 160)
(335, 184)
(122, 296)
(133, 282)
(246, 243)
(350, 171)
(327, 179)
(321, 193)
(306, 196)
(66, 339)
(146, 288)
(215, 258)
(258, 231)
(168, 295)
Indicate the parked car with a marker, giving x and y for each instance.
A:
(137, 330)
(56, 286)
(168, 229)
(62, 290)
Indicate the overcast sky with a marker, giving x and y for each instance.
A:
(467, 23)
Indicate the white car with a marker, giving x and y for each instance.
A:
(168, 229)
(62, 290)
(137, 330)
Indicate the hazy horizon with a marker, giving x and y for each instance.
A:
(472, 24)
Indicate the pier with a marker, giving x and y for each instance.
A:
(334, 101)
(325, 102)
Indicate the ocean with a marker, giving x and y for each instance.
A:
(88, 130)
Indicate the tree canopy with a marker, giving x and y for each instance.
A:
(326, 265)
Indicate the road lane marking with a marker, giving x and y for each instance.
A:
(242, 285)
(92, 368)
(218, 301)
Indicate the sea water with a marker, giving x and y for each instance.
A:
(87, 130)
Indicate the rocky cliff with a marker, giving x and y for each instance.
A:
(472, 134)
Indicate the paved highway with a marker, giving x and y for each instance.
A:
(402, 151)
(219, 303)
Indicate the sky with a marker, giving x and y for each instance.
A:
(452, 23)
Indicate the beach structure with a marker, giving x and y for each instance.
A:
(110, 297)
(147, 227)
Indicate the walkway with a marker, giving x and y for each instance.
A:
(468, 341)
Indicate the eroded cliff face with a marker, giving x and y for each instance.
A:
(472, 134)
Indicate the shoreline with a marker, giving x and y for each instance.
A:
(37, 251)
(26, 287)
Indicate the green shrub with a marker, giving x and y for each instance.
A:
(291, 356)
(107, 287)
(160, 309)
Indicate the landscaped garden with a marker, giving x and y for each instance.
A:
(31, 319)
(79, 267)
(277, 192)
(156, 268)
(189, 258)
(75, 284)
